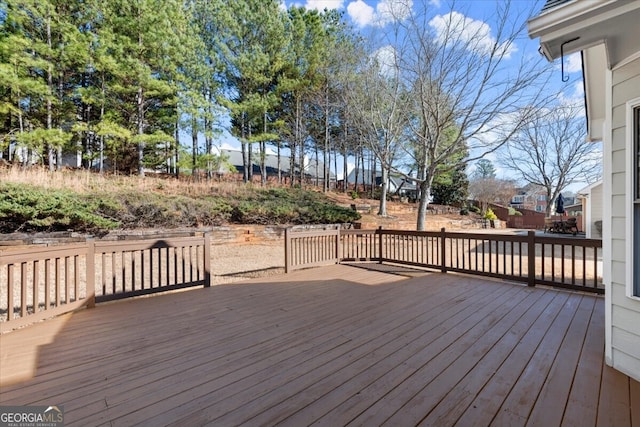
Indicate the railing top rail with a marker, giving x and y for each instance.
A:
(589, 243)
(385, 231)
(359, 232)
(576, 241)
(22, 254)
(133, 245)
(312, 233)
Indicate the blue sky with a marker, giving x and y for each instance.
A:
(369, 16)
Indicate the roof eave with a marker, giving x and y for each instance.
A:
(565, 28)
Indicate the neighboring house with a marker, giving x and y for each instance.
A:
(312, 169)
(574, 209)
(396, 185)
(531, 198)
(591, 198)
(607, 33)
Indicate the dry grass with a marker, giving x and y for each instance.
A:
(83, 181)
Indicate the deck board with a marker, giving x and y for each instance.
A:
(341, 345)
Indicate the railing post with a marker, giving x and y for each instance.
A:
(338, 246)
(443, 250)
(207, 259)
(90, 264)
(531, 257)
(380, 245)
(287, 248)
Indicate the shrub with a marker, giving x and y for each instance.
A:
(27, 208)
(514, 212)
(490, 215)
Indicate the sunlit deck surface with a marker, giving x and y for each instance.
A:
(338, 345)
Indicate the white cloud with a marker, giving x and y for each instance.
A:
(579, 89)
(321, 5)
(574, 99)
(361, 13)
(573, 63)
(386, 11)
(392, 10)
(475, 35)
(386, 59)
(435, 3)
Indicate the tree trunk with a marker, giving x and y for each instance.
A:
(382, 210)
(173, 167)
(50, 148)
(245, 168)
(278, 156)
(263, 165)
(208, 149)
(325, 185)
(317, 167)
(425, 195)
(243, 148)
(345, 168)
(292, 164)
(103, 94)
(302, 164)
(335, 169)
(374, 173)
(61, 102)
(263, 154)
(356, 171)
(250, 159)
(194, 147)
(140, 104)
(140, 112)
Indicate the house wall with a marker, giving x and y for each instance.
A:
(623, 330)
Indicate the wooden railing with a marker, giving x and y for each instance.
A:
(311, 248)
(572, 263)
(41, 282)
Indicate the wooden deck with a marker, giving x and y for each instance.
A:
(331, 346)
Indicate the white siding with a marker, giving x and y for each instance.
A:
(625, 319)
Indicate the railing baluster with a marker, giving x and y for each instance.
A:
(595, 268)
(113, 273)
(584, 266)
(573, 264)
(10, 281)
(553, 262)
(57, 283)
(133, 270)
(563, 261)
(67, 284)
(123, 270)
(47, 281)
(168, 266)
(544, 262)
(23, 289)
(76, 276)
(36, 285)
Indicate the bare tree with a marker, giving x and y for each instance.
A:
(466, 88)
(551, 151)
(378, 105)
(490, 190)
